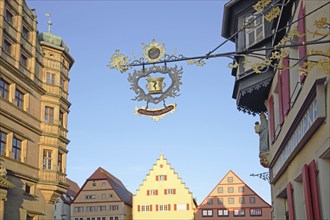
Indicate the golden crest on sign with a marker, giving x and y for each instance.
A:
(154, 51)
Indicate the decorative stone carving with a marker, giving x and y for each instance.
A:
(264, 159)
(262, 130)
(3, 171)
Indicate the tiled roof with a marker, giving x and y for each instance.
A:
(116, 184)
(73, 188)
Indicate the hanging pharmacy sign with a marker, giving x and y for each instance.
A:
(152, 84)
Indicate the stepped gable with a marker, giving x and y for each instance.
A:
(116, 184)
(162, 158)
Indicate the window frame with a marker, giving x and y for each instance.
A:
(47, 159)
(19, 98)
(49, 115)
(3, 142)
(223, 210)
(9, 16)
(4, 89)
(50, 78)
(207, 212)
(254, 29)
(17, 148)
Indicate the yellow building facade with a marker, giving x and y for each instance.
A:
(163, 195)
(34, 107)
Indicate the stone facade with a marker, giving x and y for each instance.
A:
(34, 76)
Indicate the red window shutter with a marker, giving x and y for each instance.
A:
(187, 206)
(271, 118)
(174, 207)
(156, 207)
(301, 29)
(138, 208)
(314, 189)
(285, 76)
(280, 97)
(156, 178)
(174, 191)
(289, 193)
(165, 191)
(165, 177)
(148, 192)
(156, 192)
(307, 193)
(150, 208)
(169, 207)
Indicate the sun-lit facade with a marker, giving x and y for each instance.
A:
(34, 107)
(233, 199)
(163, 195)
(289, 87)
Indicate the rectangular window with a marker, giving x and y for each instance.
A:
(24, 61)
(161, 178)
(254, 29)
(230, 189)
(231, 200)
(113, 207)
(61, 117)
(4, 89)
(220, 190)
(207, 212)
(252, 200)
(62, 83)
(50, 78)
(255, 212)
(17, 146)
(153, 192)
(163, 208)
(27, 189)
(239, 212)
(241, 189)
(59, 162)
(223, 212)
(47, 159)
(241, 200)
(103, 196)
(220, 201)
(9, 17)
(19, 98)
(25, 33)
(7, 46)
(3, 141)
(169, 191)
(209, 201)
(49, 115)
(229, 179)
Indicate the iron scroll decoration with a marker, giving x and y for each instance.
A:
(154, 53)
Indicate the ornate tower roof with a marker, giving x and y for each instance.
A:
(50, 39)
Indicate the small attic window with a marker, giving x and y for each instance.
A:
(161, 166)
(94, 183)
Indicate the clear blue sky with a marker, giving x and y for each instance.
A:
(206, 136)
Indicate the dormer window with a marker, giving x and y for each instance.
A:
(254, 30)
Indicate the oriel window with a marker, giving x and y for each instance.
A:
(47, 159)
(49, 115)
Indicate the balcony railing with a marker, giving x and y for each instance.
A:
(54, 129)
(56, 90)
(50, 175)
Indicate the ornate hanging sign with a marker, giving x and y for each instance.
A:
(153, 84)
